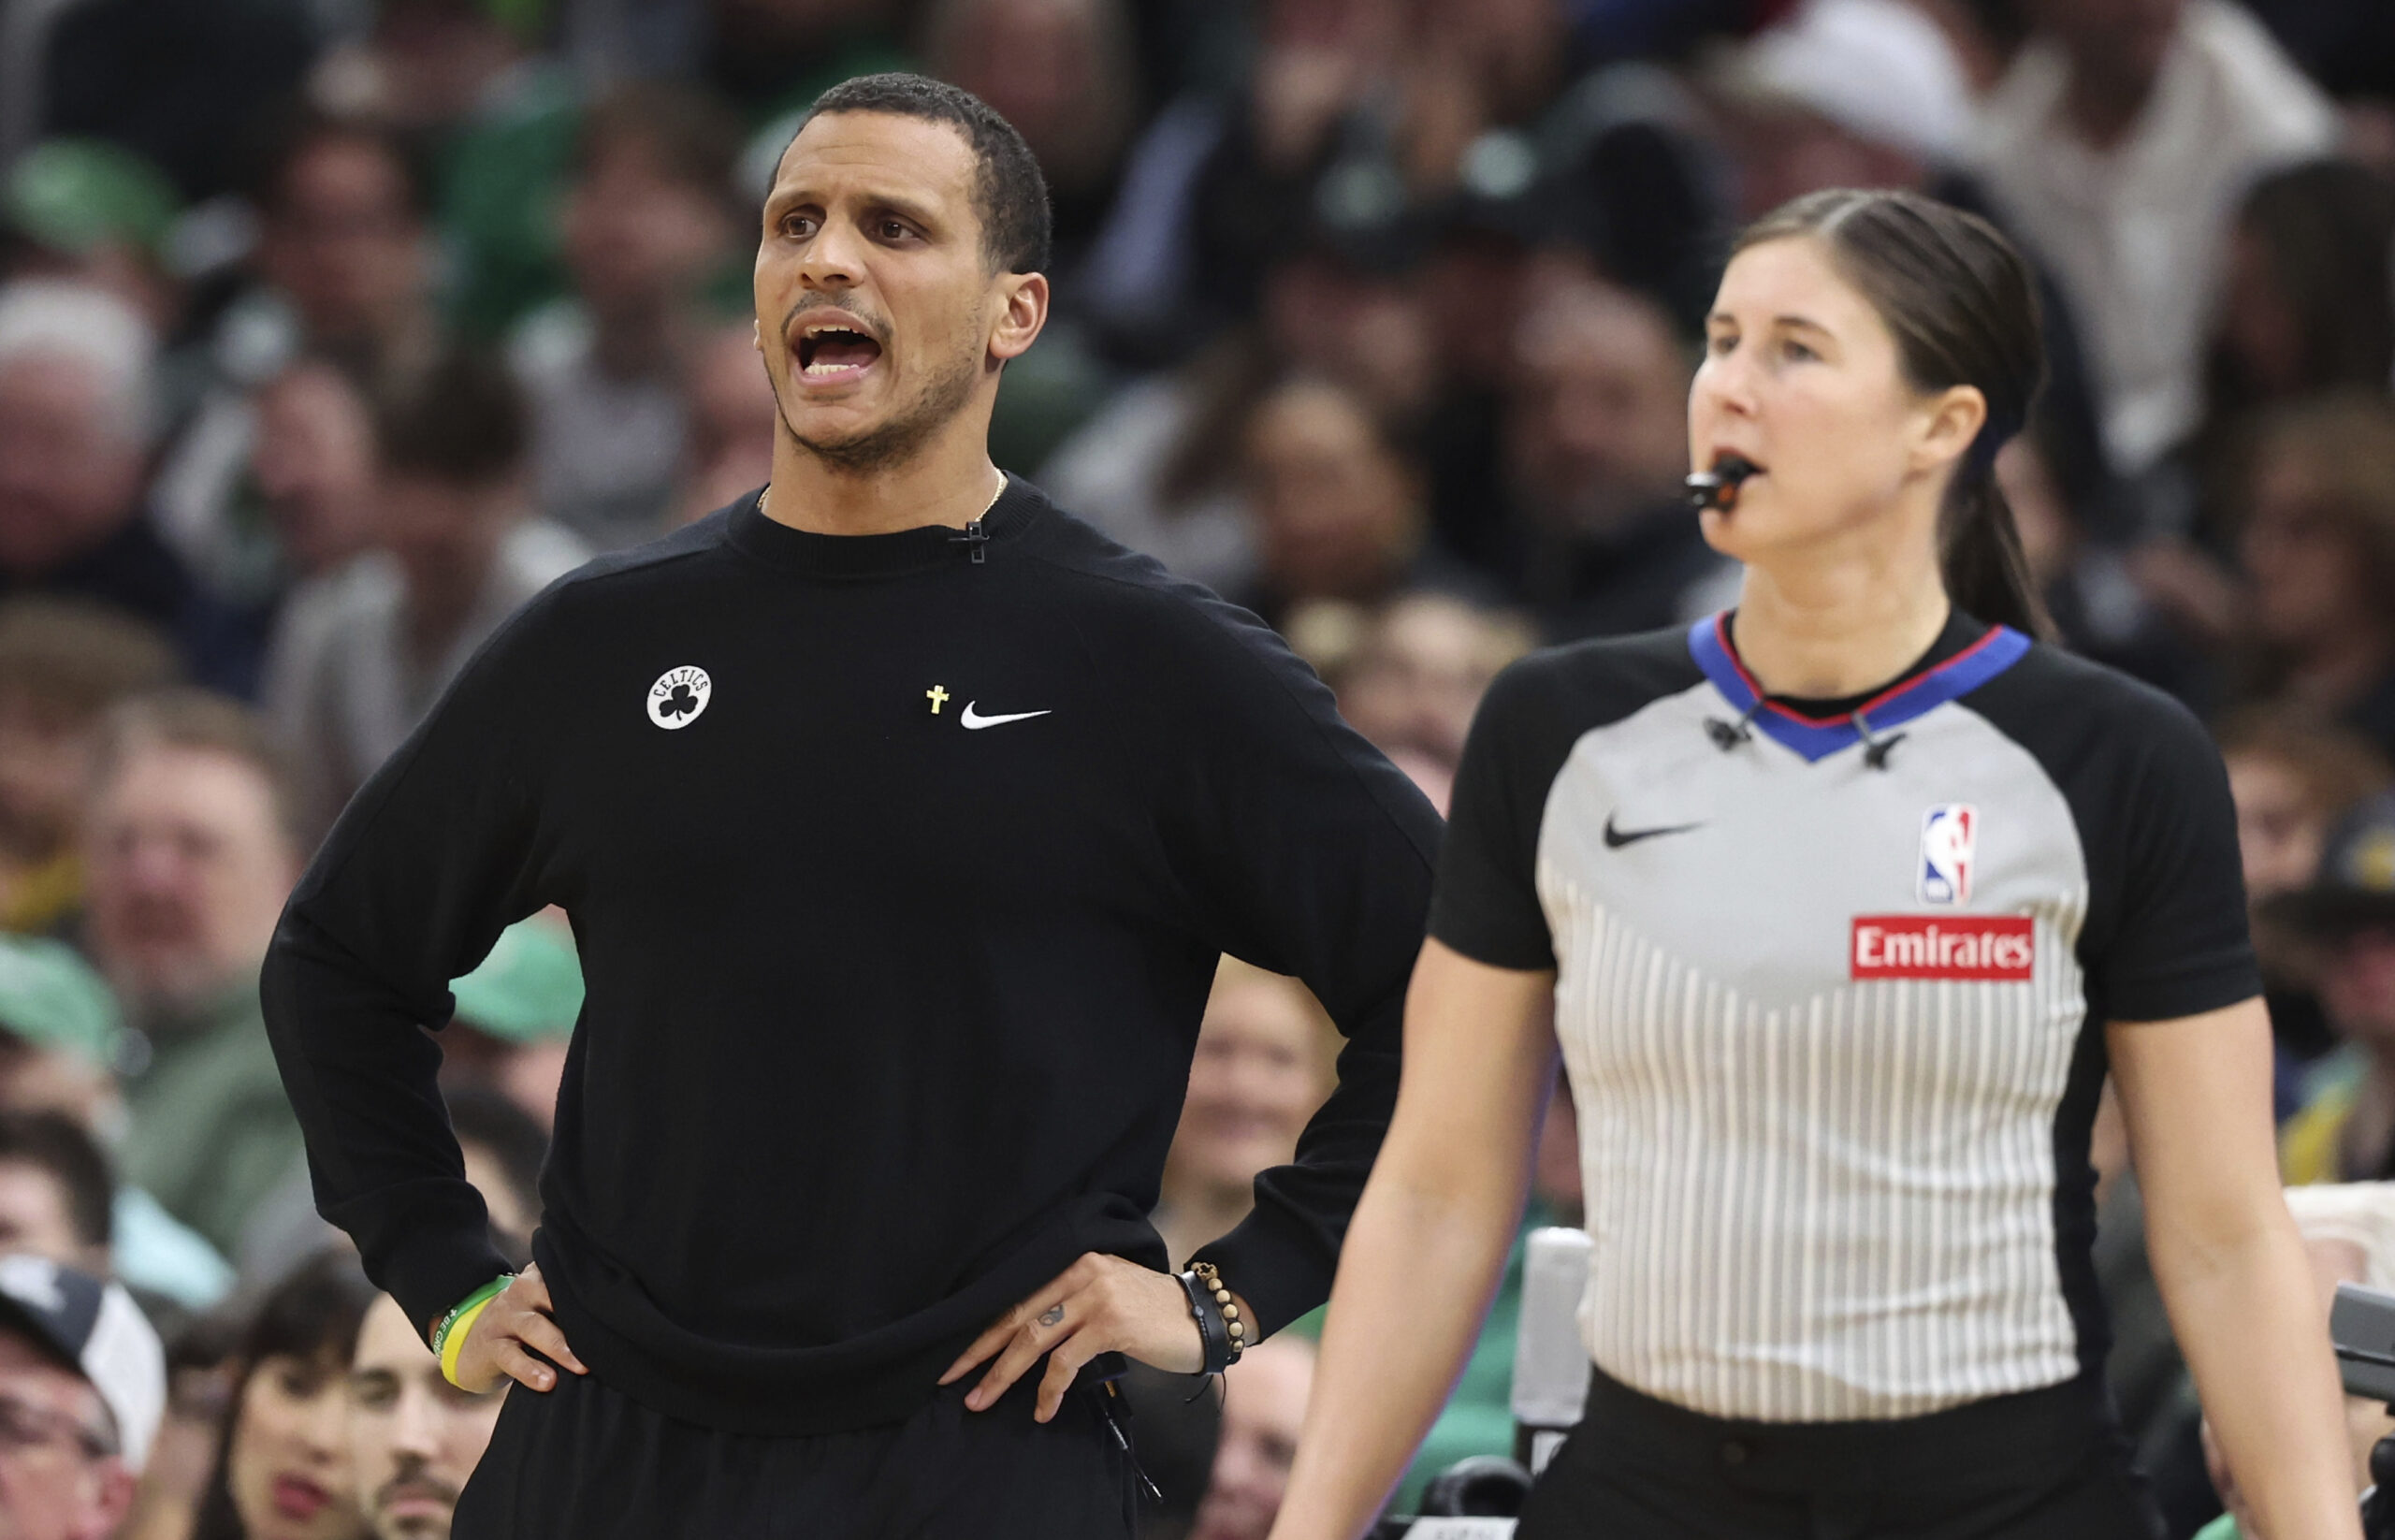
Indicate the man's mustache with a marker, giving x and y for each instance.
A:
(870, 324)
(415, 1486)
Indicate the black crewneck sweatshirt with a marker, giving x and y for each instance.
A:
(899, 866)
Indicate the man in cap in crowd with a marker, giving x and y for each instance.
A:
(515, 1014)
(83, 1387)
(59, 1031)
(414, 1438)
(2346, 1132)
(60, 1035)
(93, 211)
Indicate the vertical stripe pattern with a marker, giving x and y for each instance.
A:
(1835, 1208)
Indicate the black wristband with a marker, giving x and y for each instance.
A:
(1233, 1328)
(1214, 1336)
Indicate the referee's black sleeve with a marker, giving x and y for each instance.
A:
(359, 968)
(1487, 904)
(2165, 935)
(2177, 946)
(1312, 856)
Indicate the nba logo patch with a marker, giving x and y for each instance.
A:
(1949, 832)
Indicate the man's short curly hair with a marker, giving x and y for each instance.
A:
(1010, 193)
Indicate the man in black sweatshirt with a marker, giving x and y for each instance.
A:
(901, 818)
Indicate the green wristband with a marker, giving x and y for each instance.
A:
(488, 1291)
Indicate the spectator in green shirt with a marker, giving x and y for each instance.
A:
(190, 854)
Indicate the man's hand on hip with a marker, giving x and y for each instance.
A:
(1100, 1305)
(511, 1327)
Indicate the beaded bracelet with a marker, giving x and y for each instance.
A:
(1221, 1334)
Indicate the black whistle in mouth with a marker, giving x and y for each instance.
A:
(1719, 486)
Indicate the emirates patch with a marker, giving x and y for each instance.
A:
(1920, 946)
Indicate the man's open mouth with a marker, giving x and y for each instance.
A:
(828, 350)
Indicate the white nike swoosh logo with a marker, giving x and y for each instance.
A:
(974, 723)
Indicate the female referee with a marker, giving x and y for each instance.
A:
(1845, 902)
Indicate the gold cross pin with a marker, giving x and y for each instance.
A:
(937, 695)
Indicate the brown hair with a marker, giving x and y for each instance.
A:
(313, 1315)
(187, 716)
(1223, 383)
(461, 420)
(1964, 310)
(695, 139)
(73, 659)
(2347, 441)
(2336, 767)
(2324, 229)
(289, 134)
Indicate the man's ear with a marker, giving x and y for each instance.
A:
(1022, 312)
(757, 335)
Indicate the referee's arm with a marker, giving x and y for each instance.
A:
(2231, 1266)
(2188, 1043)
(429, 862)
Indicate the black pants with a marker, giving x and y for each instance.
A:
(2044, 1465)
(583, 1463)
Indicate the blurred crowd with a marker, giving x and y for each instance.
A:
(330, 330)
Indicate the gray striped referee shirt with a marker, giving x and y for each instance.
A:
(1829, 983)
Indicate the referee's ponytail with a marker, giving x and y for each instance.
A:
(1964, 310)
